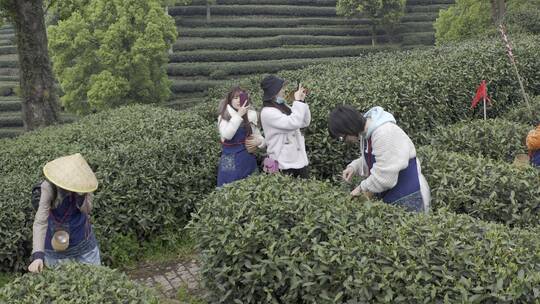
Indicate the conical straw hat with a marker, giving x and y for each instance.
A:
(71, 173)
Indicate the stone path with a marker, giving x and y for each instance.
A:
(170, 277)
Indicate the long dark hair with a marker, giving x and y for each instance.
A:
(233, 93)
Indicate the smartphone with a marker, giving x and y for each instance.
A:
(244, 99)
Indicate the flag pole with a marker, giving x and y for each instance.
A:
(485, 113)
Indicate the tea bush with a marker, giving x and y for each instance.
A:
(523, 114)
(269, 22)
(259, 43)
(271, 53)
(424, 89)
(76, 284)
(498, 139)
(266, 32)
(482, 188)
(273, 239)
(150, 163)
(242, 68)
(274, 2)
(243, 10)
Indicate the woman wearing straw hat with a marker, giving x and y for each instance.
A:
(62, 230)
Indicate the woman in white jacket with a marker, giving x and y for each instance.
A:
(388, 159)
(281, 125)
(240, 137)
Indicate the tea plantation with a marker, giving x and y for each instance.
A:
(246, 37)
(272, 238)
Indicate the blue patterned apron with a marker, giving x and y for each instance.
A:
(68, 216)
(406, 192)
(535, 159)
(235, 162)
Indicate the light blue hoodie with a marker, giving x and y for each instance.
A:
(378, 117)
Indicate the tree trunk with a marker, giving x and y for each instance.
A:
(207, 12)
(498, 10)
(502, 9)
(40, 101)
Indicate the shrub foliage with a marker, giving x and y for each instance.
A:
(279, 240)
(424, 89)
(150, 163)
(76, 284)
(482, 188)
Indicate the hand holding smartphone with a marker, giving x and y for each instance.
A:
(301, 93)
(244, 99)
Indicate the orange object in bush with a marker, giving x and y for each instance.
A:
(533, 139)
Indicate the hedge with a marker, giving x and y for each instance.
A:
(498, 139)
(150, 164)
(427, 2)
(11, 119)
(9, 132)
(259, 43)
(268, 22)
(424, 89)
(6, 42)
(4, 78)
(523, 114)
(412, 27)
(76, 284)
(9, 63)
(10, 71)
(482, 188)
(246, 10)
(273, 54)
(268, 32)
(6, 50)
(10, 105)
(271, 2)
(426, 38)
(194, 86)
(279, 240)
(419, 17)
(425, 8)
(242, 68)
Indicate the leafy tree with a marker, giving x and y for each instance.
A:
(473, 18)
(467, 18)
(40, 101)
(113, 52)
(62, 9)
(386, 13)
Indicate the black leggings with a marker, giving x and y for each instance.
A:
(301, 173)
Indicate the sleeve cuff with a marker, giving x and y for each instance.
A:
(363, 186)
(38, 255)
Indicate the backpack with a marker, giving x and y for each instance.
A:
(36, 194)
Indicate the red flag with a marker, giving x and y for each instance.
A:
(481, 94)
